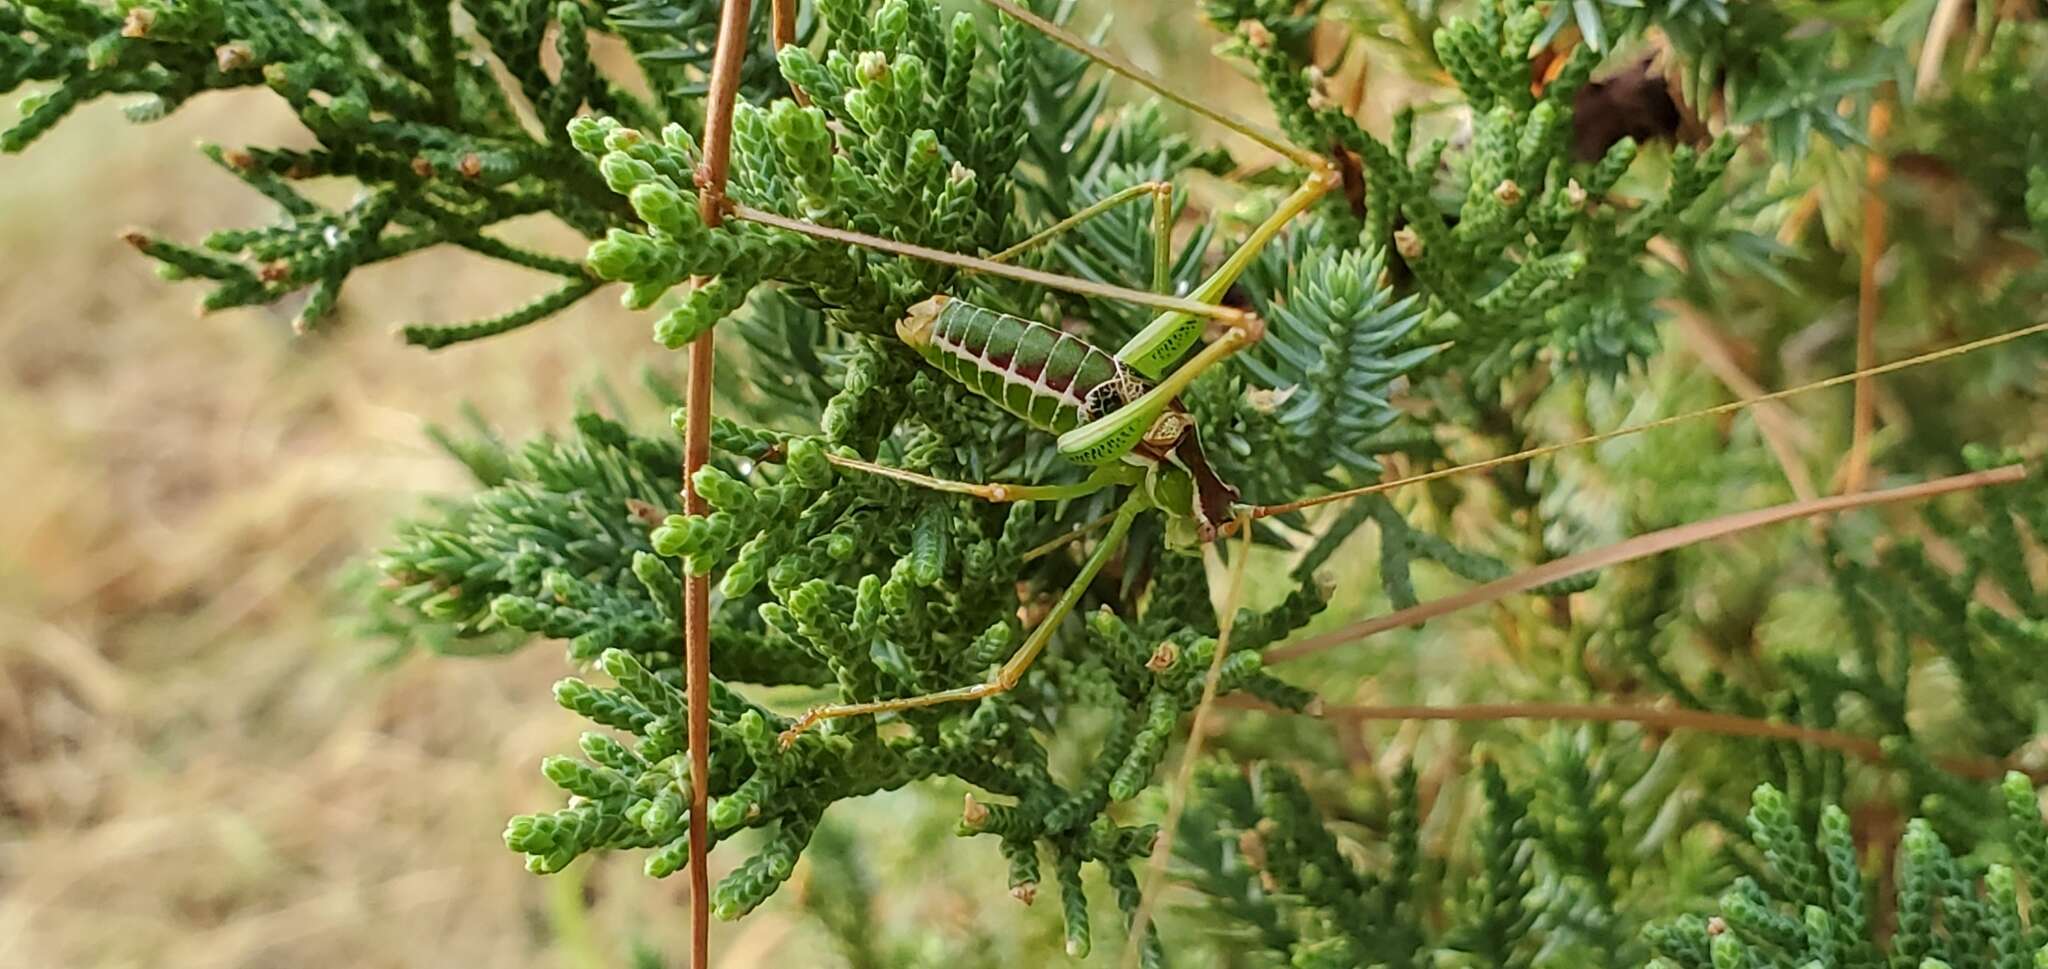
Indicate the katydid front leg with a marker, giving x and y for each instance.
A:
(1012, 671)
(1169, 335)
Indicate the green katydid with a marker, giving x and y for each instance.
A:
(1117, 412)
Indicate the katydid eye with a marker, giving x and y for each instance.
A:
(1103, 399)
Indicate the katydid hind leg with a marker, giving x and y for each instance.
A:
(1012, 671)
(1000, 492)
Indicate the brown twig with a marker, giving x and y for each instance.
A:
(1803, 211)
(725, 83)
(1666, 718)
(783, 33)
(1773, 419)
(711, 175)
(1856, 471)
(1079, 530)
(1941, 29)
(697, 653)
(1641, 546)
(1786, 437)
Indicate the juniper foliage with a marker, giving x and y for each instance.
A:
(1812, 905)
(1494, 276)
(401, 99)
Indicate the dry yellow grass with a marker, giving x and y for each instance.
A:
(199, 764)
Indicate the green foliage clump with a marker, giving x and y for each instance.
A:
(1885, 616)
(1261, 847)
(859, 582)
(501, 563)
(1813, 906)
(1518, 248)
(399, 99)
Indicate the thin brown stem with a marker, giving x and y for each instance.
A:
(697, 655)
(725, 84)
(1056, 544)
(1941, 29)
(1773, 420)
(711, 176)
(1794, 226)
(1664, 718)
(783, 33)
(1641, 546)
(1856, 470)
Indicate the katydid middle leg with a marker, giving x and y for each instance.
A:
(1161, 194)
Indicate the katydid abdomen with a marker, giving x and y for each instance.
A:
(1053, 380)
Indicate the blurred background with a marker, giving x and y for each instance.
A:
(201, 763)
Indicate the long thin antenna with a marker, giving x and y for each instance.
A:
(1145, 79)
(1071, 284)
(1268, 511)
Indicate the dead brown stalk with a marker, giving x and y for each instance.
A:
(1856, 468)
(1662, 718)
(1639, 547)
(725, 77)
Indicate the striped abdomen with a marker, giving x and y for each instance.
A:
(1054, 380)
